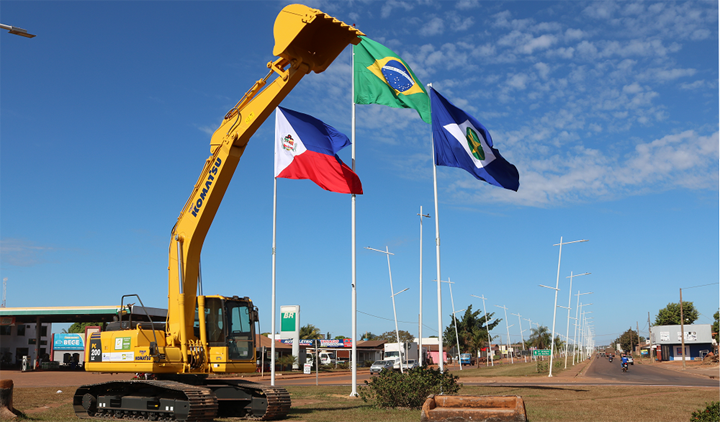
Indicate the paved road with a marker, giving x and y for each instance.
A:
(646, 374)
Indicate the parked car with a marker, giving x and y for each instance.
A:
(630, 360)
(379, 365)
(411, 364)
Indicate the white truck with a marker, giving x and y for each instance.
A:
(398, 352)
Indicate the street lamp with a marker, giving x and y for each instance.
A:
(583, 330)
(508, 332)
(567, 331)
(490, 360)
(420, 337)
(557, 283)
(522, 339)
(457, 335)
(17, 31)
(397, 332)
(529, 322)
(452, 302)
(576, 325)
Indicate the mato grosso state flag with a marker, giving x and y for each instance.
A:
(306, 148)
(382, 77)
(461, 141)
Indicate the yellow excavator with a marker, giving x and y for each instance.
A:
(206, 335)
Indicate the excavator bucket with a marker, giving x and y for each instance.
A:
(311, 36)
(474, 408)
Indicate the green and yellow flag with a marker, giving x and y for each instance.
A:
(381, 77)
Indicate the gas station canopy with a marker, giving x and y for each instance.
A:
(72, 314)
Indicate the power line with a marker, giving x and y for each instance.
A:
(702, 285)
(404, 322)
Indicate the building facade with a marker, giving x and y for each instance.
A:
(668, 341)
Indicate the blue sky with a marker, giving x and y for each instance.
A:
(609, 110)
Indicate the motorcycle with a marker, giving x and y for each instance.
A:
(610, 358)
(624, 366)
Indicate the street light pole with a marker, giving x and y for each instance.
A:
(530, 322)
(457, 335)
(557, 283)
(567, 331)
(452, 302)
(488, 357)
(420, 336)
(522, 339)
(397, 332)
(508, 333)
(577, 322)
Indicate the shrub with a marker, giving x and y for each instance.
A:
(368, 363)
(392, 389)
(711, 413)
(343, 365)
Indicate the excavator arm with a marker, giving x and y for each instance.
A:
(305, 40)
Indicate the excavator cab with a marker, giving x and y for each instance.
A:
(229, 331)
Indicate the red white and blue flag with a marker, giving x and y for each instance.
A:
(306, 148)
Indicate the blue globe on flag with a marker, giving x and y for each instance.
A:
(397, 75)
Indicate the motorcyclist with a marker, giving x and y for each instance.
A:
(624, 361)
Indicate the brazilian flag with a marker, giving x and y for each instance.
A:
(381, 77)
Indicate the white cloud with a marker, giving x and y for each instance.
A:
(587, 49)
(574, 34)
(517, 81)
(434, 26)
(664, 75)
(467, 4)
(693, 85)
(22, 253)
(387, 9)
(542, 69)
(633, 88)
(541, 42)
(601, 10)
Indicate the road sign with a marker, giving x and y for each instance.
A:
(541, 352)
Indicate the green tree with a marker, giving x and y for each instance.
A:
(79, 327)
(715, 326)
(369, 336)
(540, 337)
(472, 329)
(670, 315)
(629, 339)
(340, 338)
(391, 337)
(310, 332)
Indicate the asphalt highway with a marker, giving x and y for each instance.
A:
(645, 374)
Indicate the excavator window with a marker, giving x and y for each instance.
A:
(240, 331)
(214, 321)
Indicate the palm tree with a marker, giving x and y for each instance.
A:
(310, 332)
(540, 337)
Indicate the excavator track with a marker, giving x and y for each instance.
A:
(145, 400)
(178, 401)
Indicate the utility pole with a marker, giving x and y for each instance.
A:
(682, 329)
(652, 358)
(637, 329)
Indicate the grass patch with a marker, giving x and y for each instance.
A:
(543, 403)
(517, 369)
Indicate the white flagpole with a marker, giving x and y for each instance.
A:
(437, 254)
(272, 347)
(353, 392)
